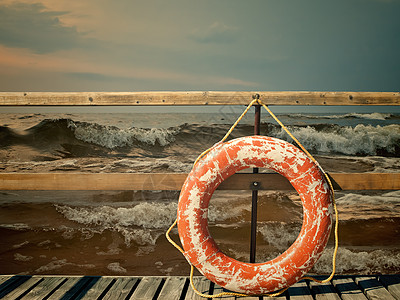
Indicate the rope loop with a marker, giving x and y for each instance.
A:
(256, 100)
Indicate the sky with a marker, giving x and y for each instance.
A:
(174, 45)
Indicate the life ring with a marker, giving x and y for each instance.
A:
(223, 161)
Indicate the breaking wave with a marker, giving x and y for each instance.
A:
(368, 116)
(360, 140)
(317, 138)
(113, 137)
(136, 223)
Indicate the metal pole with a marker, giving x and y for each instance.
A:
(254, 196)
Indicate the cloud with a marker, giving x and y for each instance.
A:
(73, 64)
(215, 33)
(30, 26)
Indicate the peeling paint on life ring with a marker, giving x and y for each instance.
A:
(225, 160)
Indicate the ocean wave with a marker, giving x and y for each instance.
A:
(368, 207)
(113, 137)
(362, 262)
(360, 140)
(75, 138)
(136, 223)
(107, 136)
(279, 234)
(145, 215)
(368, 116)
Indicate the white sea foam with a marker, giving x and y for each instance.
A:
(15, 226)
(146, 215)
(59, 263)
(278, 234)
(369, 116)
(117, 268)
(20, 257)
(363, 139)
(357, 206)
(113, 137)
(218, 212)
(347, 260)
(146, 165)
(140, 224)
(20, 245)
(379, 164)
(363, 262)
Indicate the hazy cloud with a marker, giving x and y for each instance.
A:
(199, 45)
(215, 33)
(30, 26)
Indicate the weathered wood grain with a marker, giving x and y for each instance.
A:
(202, 284)
(373, 289)
(300, 291)
(348, 289)
(4, 279)
(174, 181)
(172, 288)
(22, 289)
(219, 289)
(121, 288)
(147, 288)
(392, 284)
(323, 291)
(65, 288)
(97, 289)
(44, 288)
(198, 98)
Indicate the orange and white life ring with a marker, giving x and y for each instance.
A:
(223, 161)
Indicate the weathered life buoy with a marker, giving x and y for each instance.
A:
(223, 161)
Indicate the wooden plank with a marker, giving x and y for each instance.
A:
(11, 284)
(280, 297)
(121, 288)
(174, 181)
(202, 284)
(323, 291)
(81, 287)
(44, 288)
(98, 288)
(199, 98)
(219, 289)
(300, 291)
(348, 289)
(22, 289)
(147, 288)
(4, 279)
(65, 288)
(84, 288)
(172, 288)
(392, 284)
(373, 289)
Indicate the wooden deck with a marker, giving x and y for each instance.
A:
(143, 288)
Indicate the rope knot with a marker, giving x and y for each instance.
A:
(257, 98)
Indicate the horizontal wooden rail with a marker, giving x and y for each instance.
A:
(174, 181)
(198, 98)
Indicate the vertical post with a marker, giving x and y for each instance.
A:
(254, 196)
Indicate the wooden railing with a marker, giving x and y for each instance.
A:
(174, 181)
(199, 98)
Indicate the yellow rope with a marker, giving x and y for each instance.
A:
(333, 201)
(333, 197)
(229, 131)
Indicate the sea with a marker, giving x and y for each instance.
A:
(123, 232)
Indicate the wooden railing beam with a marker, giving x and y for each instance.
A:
(174, 181)
(196, 98)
